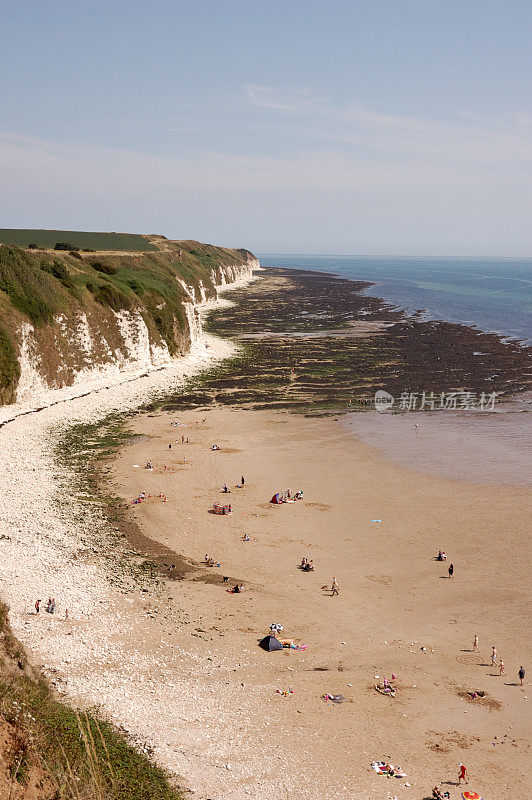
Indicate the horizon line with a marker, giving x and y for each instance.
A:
(389, 255)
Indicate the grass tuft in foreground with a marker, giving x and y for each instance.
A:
(50, 751)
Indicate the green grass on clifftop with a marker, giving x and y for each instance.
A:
(95, 240)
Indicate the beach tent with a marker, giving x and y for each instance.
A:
(276, 499)
(270, 643)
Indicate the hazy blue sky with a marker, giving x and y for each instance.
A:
(374, 126)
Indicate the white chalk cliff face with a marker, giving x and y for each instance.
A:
(81, 351)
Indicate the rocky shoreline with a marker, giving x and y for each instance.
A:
(313, 342)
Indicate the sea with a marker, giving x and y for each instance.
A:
(493, 294)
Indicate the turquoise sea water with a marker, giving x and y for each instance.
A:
(493, 294)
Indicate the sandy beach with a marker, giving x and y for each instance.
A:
(154, 640)
(397, 612)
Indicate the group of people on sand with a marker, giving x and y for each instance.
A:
(50, 606)
(500, 663)
(443, 557)
(306, 565)
(237, 588)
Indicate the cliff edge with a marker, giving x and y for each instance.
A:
(68, 317)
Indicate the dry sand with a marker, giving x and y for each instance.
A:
(200, 690)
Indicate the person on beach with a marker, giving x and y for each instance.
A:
(462, 774)
(521, 675)
(334, 587)
(451, 570)
(169, 446)
(38, 608)
(501, 667)
(242, 481)
(493, 656)
(475, 643)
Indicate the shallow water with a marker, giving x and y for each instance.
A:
(488, 448)
(493, 294)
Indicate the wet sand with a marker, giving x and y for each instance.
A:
(488, 448)
(243, 739)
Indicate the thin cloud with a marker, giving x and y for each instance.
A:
(467, 139)
(278, 98)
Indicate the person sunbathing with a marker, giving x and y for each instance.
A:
(236, 589)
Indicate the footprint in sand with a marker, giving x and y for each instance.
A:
(384, 579)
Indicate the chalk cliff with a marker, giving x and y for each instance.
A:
(68, 317)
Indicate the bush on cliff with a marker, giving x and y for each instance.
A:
(26, 286)
(9, 369)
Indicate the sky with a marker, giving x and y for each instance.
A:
(345, 126)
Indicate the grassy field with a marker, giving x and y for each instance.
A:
(130, 242)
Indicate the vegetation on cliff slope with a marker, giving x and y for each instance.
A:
(37, 286)
(49, 751)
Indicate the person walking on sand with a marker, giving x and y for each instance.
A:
(242, 481)
(334, 587)
(462, 774)
(493, 656)
(521, 675)
(501, 667)
(38, 604)
(475, 643)
(451, 570)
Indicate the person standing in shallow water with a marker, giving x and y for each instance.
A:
(451, 570)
